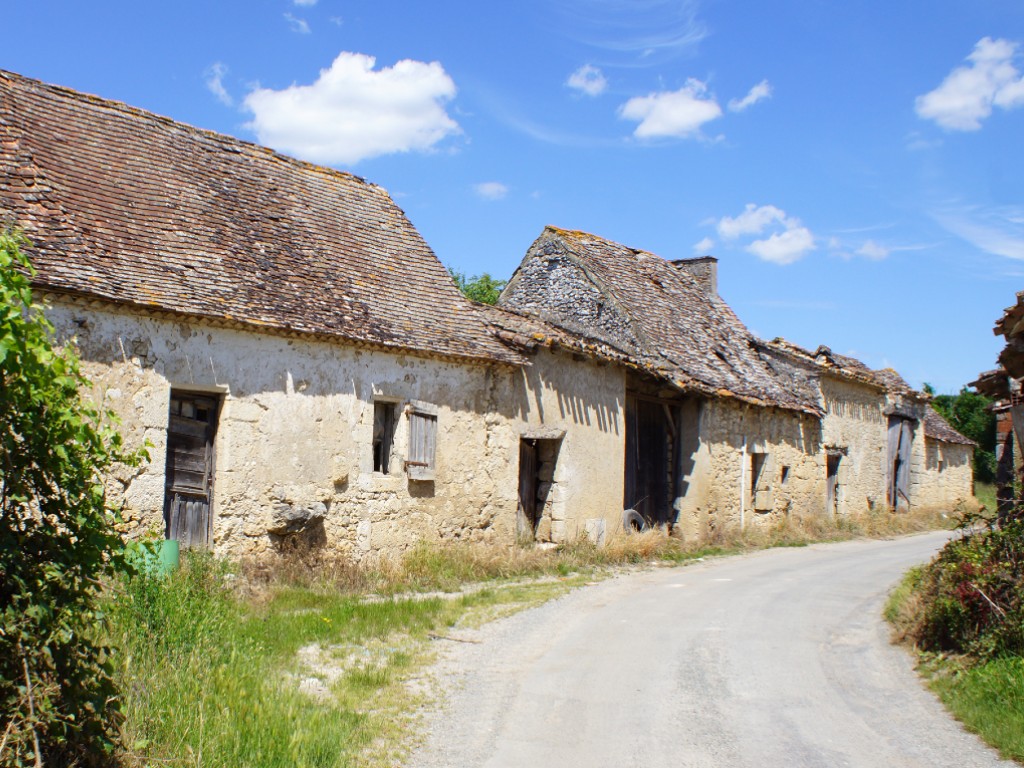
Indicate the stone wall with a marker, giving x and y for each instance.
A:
(719, 492)
(296, 428)
(855, 425)
(948, 480)
(295, 433)
(580, 402)
(551, 285)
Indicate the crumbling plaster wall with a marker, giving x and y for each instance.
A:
(948, 479)
(562, 393)
(295, 428)
(855, 423)
(719, 497)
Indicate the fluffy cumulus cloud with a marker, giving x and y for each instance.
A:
(491, 190)
(759, 92)
(675, 114)
(215, 82)
(353, 112)
(588, 79)
(968, 94)
(789, 239)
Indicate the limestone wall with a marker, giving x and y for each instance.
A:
(584, 401)
(720, 495)
(296, 426)
(946, 480)
(295, 430)
(855, 425)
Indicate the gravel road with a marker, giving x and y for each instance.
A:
(777, 658)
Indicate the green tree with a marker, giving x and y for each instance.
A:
(482, 288)
(58, 703)
(969, 413)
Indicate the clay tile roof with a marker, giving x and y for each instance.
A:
(938, 428)
(893, 381)
(130, 207)
(681, 332)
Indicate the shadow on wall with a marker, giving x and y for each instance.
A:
(580, 407)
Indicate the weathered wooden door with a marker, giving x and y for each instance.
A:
(192, 423)
(901, 438)
(648, 459)
(832, 483)
(527, 518)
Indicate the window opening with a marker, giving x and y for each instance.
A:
(383, 436)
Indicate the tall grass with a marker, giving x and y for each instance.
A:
(211, 680)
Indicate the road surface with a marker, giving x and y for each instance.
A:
(777, 658)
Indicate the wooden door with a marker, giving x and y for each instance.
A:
(188, 492)
(648, 459)
(901, 438)
(832, 484)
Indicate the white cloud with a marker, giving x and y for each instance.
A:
(588, 79)
(752, 221)
(672, 113)
(353, 112)
(762, 90)
(305, 2)
(872, 250)
(784, 247)
(297, 25)
(215, 82)
(790, 240)
(491, 190)
(704, 245)
(968, 93)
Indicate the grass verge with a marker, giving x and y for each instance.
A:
(310, 662)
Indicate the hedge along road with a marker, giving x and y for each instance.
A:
(777, 658)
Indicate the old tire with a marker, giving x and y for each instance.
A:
(633, 521)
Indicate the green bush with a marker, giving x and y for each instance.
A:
(58, 702)
(972, 594)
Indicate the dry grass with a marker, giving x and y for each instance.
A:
(449, 567)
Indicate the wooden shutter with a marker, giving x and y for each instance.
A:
(421, 460)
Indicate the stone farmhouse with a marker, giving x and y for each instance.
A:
(305, 371)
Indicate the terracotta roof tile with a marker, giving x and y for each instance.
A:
(131, 207)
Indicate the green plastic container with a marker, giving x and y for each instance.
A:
(170, 556)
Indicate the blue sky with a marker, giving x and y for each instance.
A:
(857, 168)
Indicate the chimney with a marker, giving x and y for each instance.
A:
(704, 270)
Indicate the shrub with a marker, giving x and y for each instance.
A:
(58, 703)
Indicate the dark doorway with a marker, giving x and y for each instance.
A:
(832, 482)
(191, 425)
(652, 446)
(537, 459)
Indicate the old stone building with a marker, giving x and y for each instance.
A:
(722, 429)
(281, 336)
(305, 371)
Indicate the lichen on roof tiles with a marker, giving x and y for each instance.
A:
(649, 309)
(130, 207)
